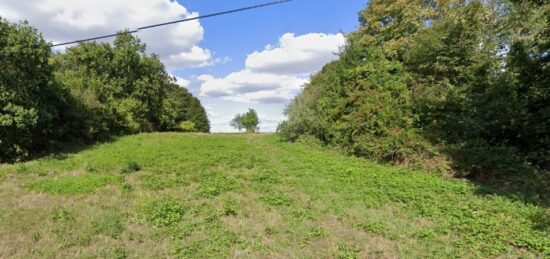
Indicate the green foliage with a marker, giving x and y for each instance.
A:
(115, 252)
(125, 187)
(108, 224)
(29, 99)
(130, 167)
(70, 185)
(200, 198)
(89, 167)
(182, 107)
(122, 90)
(61, 215)
(469, 78)
(277, 199)
(93, 91)
(164, 213)
(248, 121)
(374, 227)
(188, 126)
(214, 184)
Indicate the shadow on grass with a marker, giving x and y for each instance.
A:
(498, 171)
(531, 191)
(63, 150)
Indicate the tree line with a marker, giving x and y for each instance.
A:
(439, 85)
(90, 92)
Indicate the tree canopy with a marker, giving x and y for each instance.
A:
(248, 121)
(424, 82)
(29, 98)
(92, 91)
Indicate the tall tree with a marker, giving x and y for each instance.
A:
(28, 95)
(122, 90)
(466, 77)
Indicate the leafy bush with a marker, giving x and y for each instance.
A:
(93, 91)
(130, 167)
(29, 98)
(164, 213)
(188, 126)
(469, 79)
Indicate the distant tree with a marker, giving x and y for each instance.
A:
(251, 121)
(248, 121)
(237, 122)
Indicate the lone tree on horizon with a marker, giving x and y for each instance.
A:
(248, 121)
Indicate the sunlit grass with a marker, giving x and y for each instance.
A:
(195, 195)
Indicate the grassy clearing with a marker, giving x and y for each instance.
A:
(196, 196)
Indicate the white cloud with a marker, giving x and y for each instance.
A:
(250, 86)
(182, 82)
(270, 123)
(61, 21)
(205, 78)
(196, 57)
(297, 54)
(276, 74)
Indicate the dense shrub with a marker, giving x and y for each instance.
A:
(188, 126)
(122, 90)
(29, 99)
(420, 78)
(93, 91)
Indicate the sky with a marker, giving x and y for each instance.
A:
(257, 59)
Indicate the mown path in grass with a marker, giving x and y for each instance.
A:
(196, 196)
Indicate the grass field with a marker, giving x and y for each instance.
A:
(253, 196)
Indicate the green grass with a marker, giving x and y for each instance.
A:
(67, 185)
(201, 196)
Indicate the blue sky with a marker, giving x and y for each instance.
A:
(255, 59)
(237, 35)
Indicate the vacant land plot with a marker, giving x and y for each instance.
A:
(194, 195)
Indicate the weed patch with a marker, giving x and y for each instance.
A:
(108, 224)
(164, 213)
(374, 227)
(69, 185)
(161, 182)
(214, 184)
(89, 167)
(130, 167)
(277, 199)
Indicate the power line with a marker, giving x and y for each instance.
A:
(174, 22)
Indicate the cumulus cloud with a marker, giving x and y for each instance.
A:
(269, 123)
(297, 54)
(61, 21)
(251, 86)
(276, 74)
(182, 82)
(196, 57)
